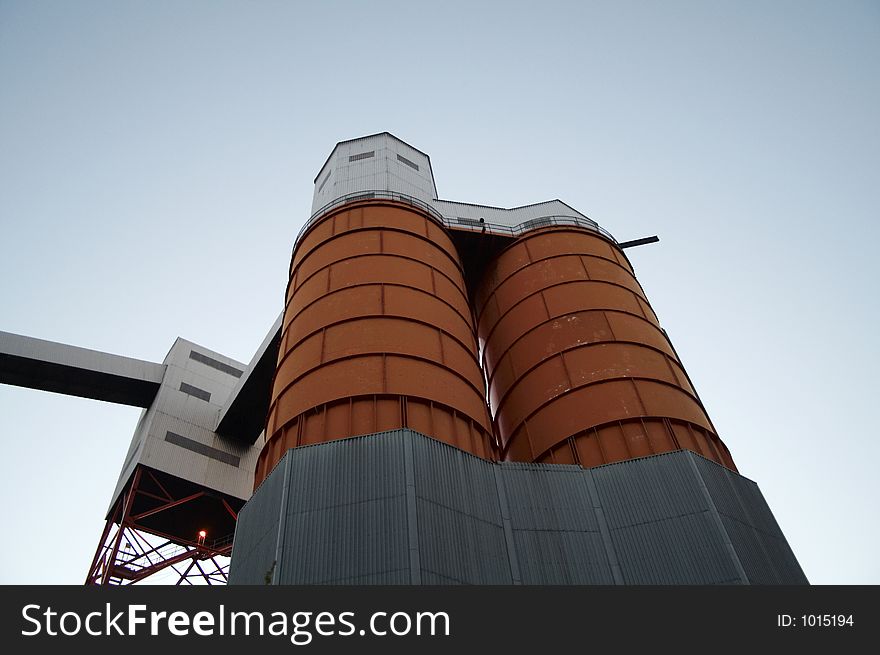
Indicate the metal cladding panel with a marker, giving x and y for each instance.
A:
(663, 525)
(659, 487)
(754, 533)
(679, 550)
(542, 498)
(751, 548)
(256, 533)
(435, 579)
(379, 162)
(736, 496)
(346, 472)
(555, 529)
(345, 542)
(442, 473)
(346, 513)
(399, 507)
(461, 547)
(560, 557)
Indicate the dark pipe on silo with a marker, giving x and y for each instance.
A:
(579, 370)
(377, 335)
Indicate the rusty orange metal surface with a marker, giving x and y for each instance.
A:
(579, 370)
(378, 334)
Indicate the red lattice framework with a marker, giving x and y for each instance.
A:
(143, 537)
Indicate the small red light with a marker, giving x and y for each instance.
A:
(203, 534)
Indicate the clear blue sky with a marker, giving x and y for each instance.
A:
(157, 158)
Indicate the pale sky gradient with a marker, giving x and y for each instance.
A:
(157, 158)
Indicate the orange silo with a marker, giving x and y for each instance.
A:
(377, 334)
(579, 370)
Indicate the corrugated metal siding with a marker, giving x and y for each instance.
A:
(555, 531)
(658, 487)
(562, 557)
(460, 535)
(256, 534)
(662, 524)
(680, 550)
(461, 547)
(754, 533)
(443, 473)
(348, 471)
(364, 511)
(343, 542)
(346, 513)
(548, 499)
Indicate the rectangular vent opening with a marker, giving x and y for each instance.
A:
(202, 449)
(195, 391)
(469, 221)
(362, 155)
(406, 161)
(213, 363)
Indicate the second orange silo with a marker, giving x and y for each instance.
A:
(377, 335)
(579, 370)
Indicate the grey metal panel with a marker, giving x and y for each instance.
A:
(783, 561)
(340, 542)
(256, 534)
(397, 577)
(459, 518)
(548, 499)
(455, 479)
(647, 489)
(721, 489)
(352, 504)
(431, 578)
(60, 368)
(751, 551)
(348, 471)
(555, 529)
(756, 537)
(562, 557)
(679, 550)
(346, 514)
(460, 546)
